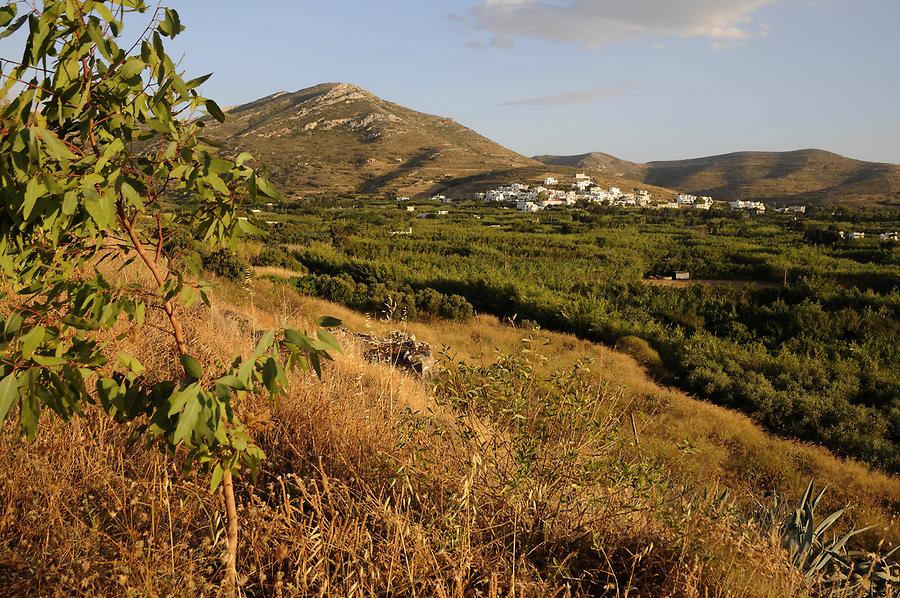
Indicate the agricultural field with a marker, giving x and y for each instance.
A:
(796, 328)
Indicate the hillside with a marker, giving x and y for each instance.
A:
(374, 483)
(597, 162)
(337, 137)
(805, 176)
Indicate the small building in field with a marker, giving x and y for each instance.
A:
(682, 276)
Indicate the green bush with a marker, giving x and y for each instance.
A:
(226, 264)
(279, 258)
(641, 351)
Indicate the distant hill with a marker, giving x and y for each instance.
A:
(804, 176)
(598, 162)
(337, 137)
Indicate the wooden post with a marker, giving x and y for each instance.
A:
(637, 442)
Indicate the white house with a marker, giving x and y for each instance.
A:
(888, 236)
(550, 181)
(856, 236)
(748, 205)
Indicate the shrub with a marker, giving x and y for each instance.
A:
(226, 264)
(641, 351)
(279, 258)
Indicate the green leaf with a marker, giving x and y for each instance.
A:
(192, 367)
(129, 361)
(178, 401)
(214, 111)
(32, 340)
(53, 145)
(232, 382)
(298, 340)
(9, 395)
(264, 344)
(187, 421)
(33, 191)
(329, 340)
(330, 322)
(216, 479)
(13, 323)
(7, 14)
(268, 189)
(132, 68)
(47, 361)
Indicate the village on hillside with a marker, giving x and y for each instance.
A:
(553, 194)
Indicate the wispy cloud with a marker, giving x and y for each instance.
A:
(575, 97)
(598, 22)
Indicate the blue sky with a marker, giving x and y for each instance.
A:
(641, 79)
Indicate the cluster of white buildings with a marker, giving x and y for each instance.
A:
(548, 195)
(858, 236)
(528, 198)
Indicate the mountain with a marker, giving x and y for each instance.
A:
(597, 162)
(340, 138)
(337, 137)
(805, 176)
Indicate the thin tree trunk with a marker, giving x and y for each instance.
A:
(231, 515)
(231, 584)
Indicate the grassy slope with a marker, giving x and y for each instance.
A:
(364, 493)
(695, 441)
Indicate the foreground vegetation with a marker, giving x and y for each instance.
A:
(799, 329)
(511, 471)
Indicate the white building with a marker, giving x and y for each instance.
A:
(856, 236)
(888, 236)
(748, 205)
(791, 209)
(550, 181)
(527, 206)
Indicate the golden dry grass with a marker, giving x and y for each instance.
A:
(697, 442)
(369, 488)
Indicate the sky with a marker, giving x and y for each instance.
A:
(640, 79)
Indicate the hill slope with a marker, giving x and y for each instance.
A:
(338, 137)
(598, 162)
(804, 176)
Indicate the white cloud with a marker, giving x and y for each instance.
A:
(598, 22)
(575, 97)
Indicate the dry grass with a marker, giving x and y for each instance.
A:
(697, 442)
(371, 489)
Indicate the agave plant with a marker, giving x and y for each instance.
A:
(827, 563)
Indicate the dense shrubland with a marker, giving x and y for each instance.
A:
(810, 351)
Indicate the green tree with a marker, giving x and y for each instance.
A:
(97, 141)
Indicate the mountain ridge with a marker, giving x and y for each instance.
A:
(799, 176)
(340, 138)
